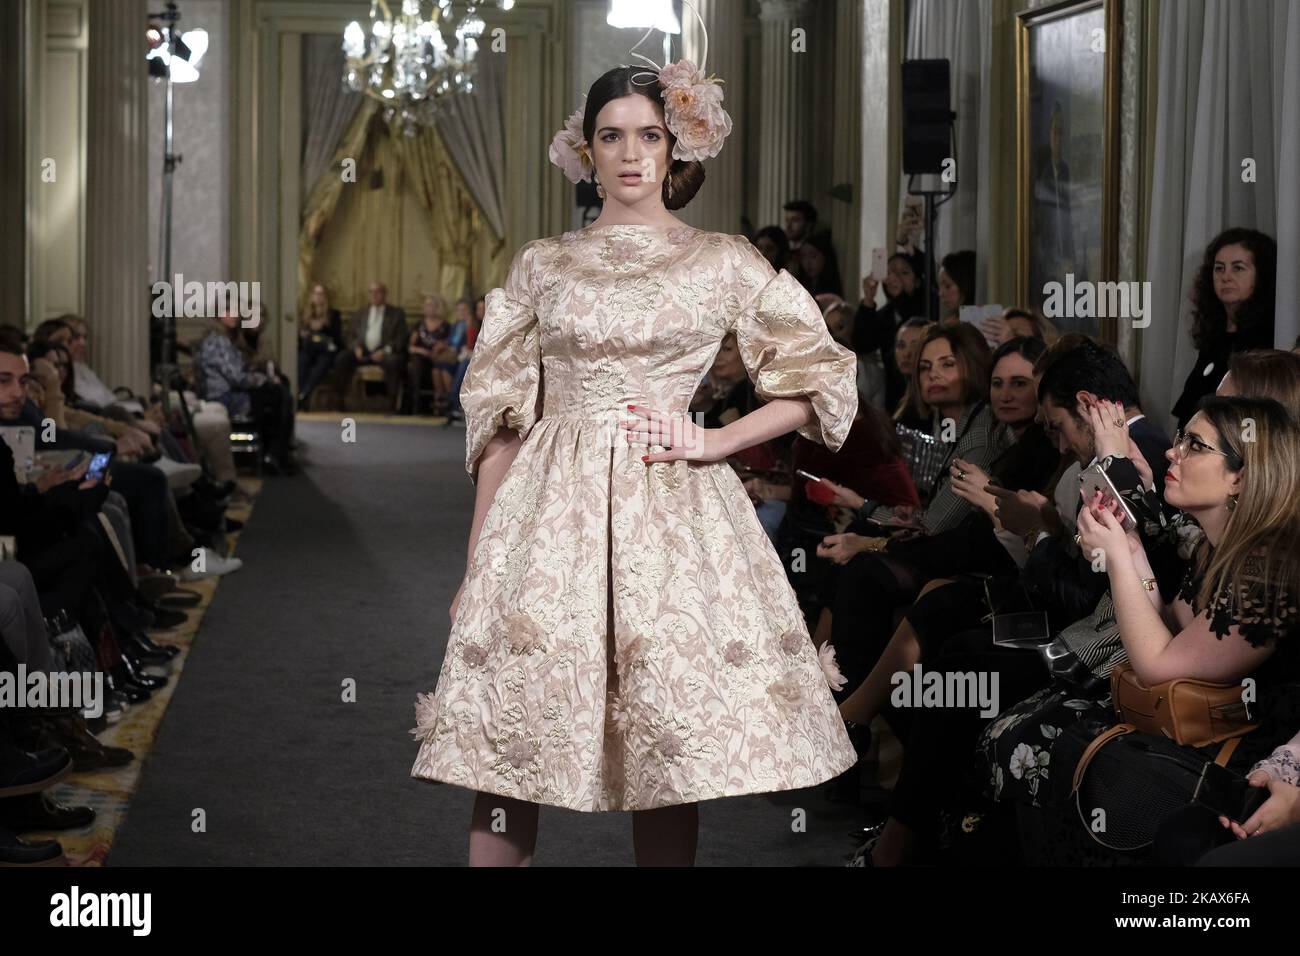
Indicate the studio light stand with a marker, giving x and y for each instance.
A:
(931, 216)
(170, 55)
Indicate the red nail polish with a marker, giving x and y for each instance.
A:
(645, 457)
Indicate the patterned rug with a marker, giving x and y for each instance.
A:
(109, 792)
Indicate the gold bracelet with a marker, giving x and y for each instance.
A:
(1149, 583)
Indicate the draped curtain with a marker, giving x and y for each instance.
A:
(456, 221)
(323, 198)
(1229, 90)
(960, 31)
(455, 169)
(473, 130)
(328, 108)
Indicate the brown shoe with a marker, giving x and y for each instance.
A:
(69, 732)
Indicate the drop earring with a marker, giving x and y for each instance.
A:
(1232, 503)
(600, 190)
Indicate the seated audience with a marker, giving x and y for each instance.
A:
(375, 336)
(320, 336)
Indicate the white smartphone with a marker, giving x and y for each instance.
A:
(1093, 480)
(879, 265)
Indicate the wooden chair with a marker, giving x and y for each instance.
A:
(361, 399)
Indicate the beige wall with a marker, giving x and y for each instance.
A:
(56, 132)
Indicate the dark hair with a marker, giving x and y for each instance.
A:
(830, 277)
(972, 354)
(1209, 318)
(908, 302)
(13, 340)
(960, 267)
(1031, 348)
(1088, 367)
(41, 349)
(1268, 373)
(778, 236)
(683, 179)
(804, 208)
(913, 262)
(1031, 316)
(880, 430)
(48, 328)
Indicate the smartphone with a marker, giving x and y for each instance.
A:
(879, 264)
(1229, 794)
(806, 474)
(99, 466)
(1094, 479)
(1026, 629)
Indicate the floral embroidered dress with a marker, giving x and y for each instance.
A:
(627, 638)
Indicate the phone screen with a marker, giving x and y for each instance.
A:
(98, 466)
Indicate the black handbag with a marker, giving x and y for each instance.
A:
(1123, 783)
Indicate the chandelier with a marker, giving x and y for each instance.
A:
(410, 63)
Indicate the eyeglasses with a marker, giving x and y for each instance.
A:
(1185, 444)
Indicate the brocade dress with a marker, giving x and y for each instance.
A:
(626, 637)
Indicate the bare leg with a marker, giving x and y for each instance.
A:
(666, 836)
(902, 651)
(515, 837)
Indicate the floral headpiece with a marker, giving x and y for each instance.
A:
(693, 113)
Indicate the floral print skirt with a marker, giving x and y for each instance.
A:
(1015, 750)
(627, 639)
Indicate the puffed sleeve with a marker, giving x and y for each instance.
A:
(501, 384)
(788, 351)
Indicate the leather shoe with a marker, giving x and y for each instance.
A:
(16, 852)
(40, 811)
(24, 772)
(69, 732)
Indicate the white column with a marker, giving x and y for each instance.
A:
(717, 206)
(117, 196)
(878, 206)
(786, 88)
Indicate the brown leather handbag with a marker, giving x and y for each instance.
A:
(1189, 712)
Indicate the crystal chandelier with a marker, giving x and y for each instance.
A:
(410, 63)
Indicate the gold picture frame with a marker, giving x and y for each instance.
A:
(1058, 82)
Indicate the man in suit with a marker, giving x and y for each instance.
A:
(376, 336)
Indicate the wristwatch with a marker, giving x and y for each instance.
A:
(1149, 583)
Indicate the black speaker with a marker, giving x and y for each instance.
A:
(927, 116)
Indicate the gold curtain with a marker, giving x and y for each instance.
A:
(454, 216)
(458, 230)
(325, 193)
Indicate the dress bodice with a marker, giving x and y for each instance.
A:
(598, 318)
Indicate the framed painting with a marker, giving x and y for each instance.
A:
(1067, 162)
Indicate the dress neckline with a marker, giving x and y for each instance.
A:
(633, 225)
